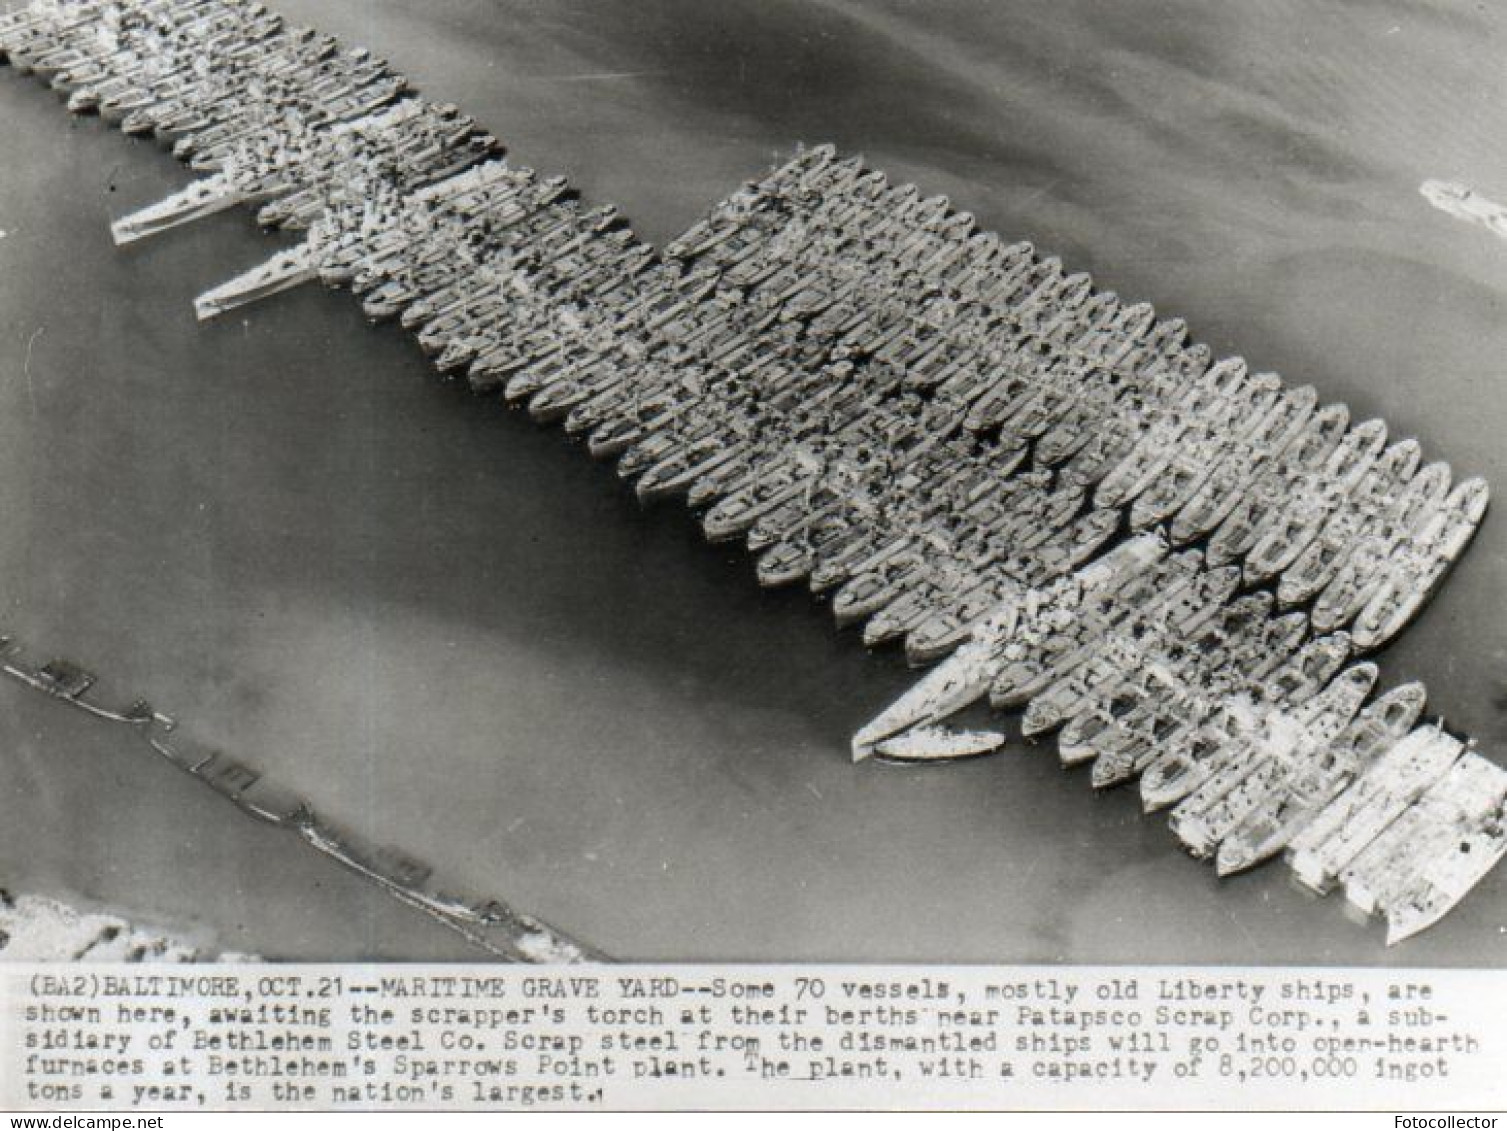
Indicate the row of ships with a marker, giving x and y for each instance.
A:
(1051, 493)
(489, 924)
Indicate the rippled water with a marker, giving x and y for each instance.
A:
(454, 629)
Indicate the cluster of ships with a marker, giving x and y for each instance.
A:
(1176, 563)
(1464, 203)
(489, 924)
(37, 929)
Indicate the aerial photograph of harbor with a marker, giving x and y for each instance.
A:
(781, 480)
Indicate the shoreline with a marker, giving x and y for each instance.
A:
(59, 928)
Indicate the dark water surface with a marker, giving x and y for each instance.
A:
(453, 629)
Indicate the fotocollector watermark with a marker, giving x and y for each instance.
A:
(1443, 1122)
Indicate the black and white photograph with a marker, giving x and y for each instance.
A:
(582, 482)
